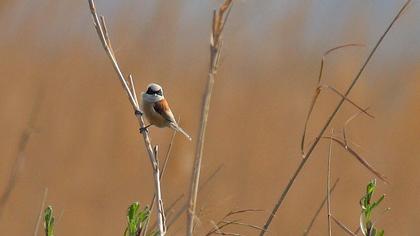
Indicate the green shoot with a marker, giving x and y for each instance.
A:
(367, 205)
(136, 218)
(49, 221)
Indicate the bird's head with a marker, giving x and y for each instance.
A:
(154, 90)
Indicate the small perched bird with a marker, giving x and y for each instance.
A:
(157, 110)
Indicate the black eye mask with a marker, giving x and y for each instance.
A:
(152, 92)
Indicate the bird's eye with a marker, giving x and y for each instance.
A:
(160, 92)
(149, 91)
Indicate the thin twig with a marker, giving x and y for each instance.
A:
(103, 35)
(244, 224)
(348, 122)
(359, 158)
(344, 227)
(328, 122)
(219, 20)
(165, 163)
(226, 222)
(318, 90)
(329, 185)
(308, 229)
(41, 211)
(231, 213)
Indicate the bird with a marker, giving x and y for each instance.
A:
(157, 110)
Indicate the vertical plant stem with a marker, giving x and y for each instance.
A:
(199, 153)
(159, 203)
(41, 211)
(329, 185)
(308, 229)
(165, 162)
(220, 17)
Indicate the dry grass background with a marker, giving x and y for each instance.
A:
(85, 148)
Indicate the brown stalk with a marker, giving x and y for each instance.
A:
(318, 90)
(342, 226)
(219, 20)
(224, 222)
(41, 211)
(328, 122)
(165, 163)
(129, 89)
(329, 185)
(308, 229)
(359, 158)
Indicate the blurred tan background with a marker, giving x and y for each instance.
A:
(87, 151)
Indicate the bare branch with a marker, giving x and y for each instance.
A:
(103, 35)
(41, 211)
(308, 229)
(359, 158)
(318, 89)
(226, 222)
(329, 186)
(348, 122)
(165, 162)
(342, 226)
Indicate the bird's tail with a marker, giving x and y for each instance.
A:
(177, 128)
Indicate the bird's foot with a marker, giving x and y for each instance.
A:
(144, 129)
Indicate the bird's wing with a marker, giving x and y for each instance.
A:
(163, 109)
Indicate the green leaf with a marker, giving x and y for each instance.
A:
(136, 219)
(49, 221)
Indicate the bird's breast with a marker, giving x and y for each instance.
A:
(152, 116)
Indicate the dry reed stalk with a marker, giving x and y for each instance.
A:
(224, 222)
(308, 229)
(129, 89)
(328, 122)
(219, 20)
(41, 211)
(329, 185)
(343, 226)
(165, 163)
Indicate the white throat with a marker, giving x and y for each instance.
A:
(151, 98)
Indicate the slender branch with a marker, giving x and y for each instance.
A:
(342, 226)
(318, 90)
(219, 20)
(308, 229)
(41, 211)
(329, 185)
(328, 122)
(359, 158)
(224, 222)
(103, 35)
(165, 163)
(350, 119)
